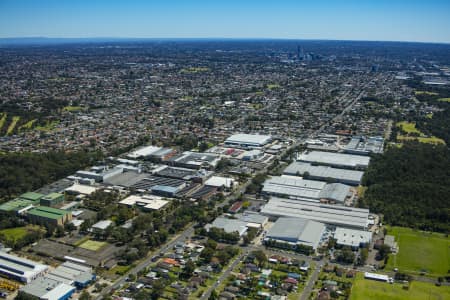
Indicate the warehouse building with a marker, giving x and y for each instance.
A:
(17, 206)
(325, 173)
(20, 269)
(195, 160)
(228, 225)
(361, 145)
(348, 217)
(352, 237)
(337, 160)
(149, 202)
(143, 152)
(248, 141)
(166, 187)
(293, 187)
(52, 199)
(294, 231)
(48, 215)
(100, 173)
(74, 274)
(32, 196)
(45, 288)
(253, 219)
(182, 173)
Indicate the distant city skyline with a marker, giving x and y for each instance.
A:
(382, 20)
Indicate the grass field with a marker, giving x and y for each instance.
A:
(28, 125)
(73, 108)
(12, 125)
(425, 93)
(14, 233)
(375, 290)
(273, 86)
(195, 70)
(408, 127)
(92, 245)
(48, 127)
(3, 120)
(444, 99)
(419, 251)
(411, 128)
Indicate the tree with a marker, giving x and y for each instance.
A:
(85, 296)
(188, 269)
(383, 252)
(261, 257)
(213, 295)
(59, 231)
(364, 253)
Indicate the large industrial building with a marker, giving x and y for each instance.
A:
(326, 173)
(20, 269)
(167, 187)
(352, 238)
(52, 199)
(148, 202)
(364, 146)
(195, 160)
(349, 217)
(308, 190)
(248, 141)
(60, 283)
(45, 288)
(294, 231)
(228, 225)
(337, 160)
(48, 215)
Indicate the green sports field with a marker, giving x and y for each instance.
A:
(376, 290)
(419, 251)
(92, 245)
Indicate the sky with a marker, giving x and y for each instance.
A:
(381, 20)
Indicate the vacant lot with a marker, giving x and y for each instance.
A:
(419, 251)
(92, 245)
(375, 290)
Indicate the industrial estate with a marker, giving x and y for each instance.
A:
(224, 170)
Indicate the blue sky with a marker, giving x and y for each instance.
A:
(394, 20)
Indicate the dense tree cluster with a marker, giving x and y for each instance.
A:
(22, 172)
(410, 186)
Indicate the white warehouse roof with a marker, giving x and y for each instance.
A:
(144, 152)
(249, 139)
(326, 213)
(335, 159)
(19, 268)
(297, 231)
(352, 237)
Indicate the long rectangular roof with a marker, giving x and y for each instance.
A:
(18, 266)
(144, 152)
(325, 213)
(299, 168)
(48, 212)
(243, 138)
(335, 159)
(293, 186)
(298, 188)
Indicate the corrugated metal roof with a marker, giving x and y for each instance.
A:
(323, 172)
(329, 214)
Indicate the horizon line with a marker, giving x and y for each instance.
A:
(24, 38)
